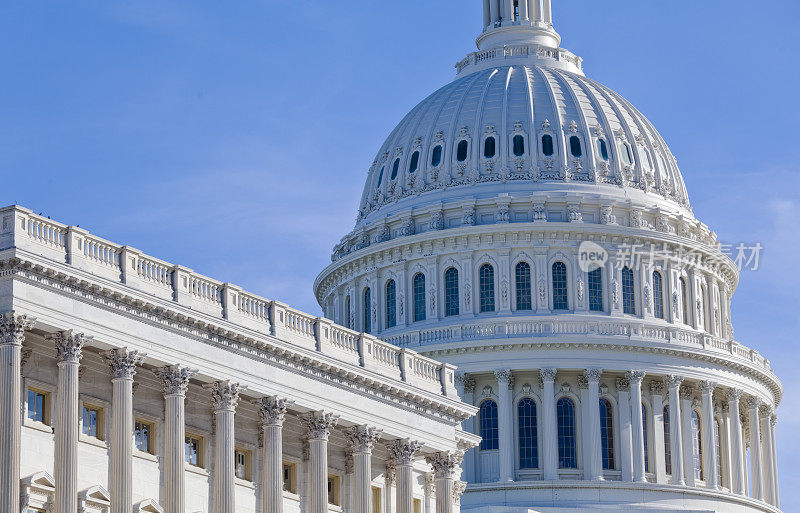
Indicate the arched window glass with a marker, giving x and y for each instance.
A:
(565, 415)
(489, 147)
(347, 318)
(486, 282)
(519, 145)
(697, 446)
(547, 145)
(575, 146)
(461, 151)
(560, 298)
(596, 290)
(644, 438)
(367, 316)
(451, 292)
(528, 434)
(489, 429)
(524, 298)
(380, 178)
(627, 158)
(658, 295)
(436, 156)
(607, 434)
(412, 167)
(419, 297)
(391, 304)
(628, 295)
(667, 447)
(395, 168)
(685, 301)
(602, 149)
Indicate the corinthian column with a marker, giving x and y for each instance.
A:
(12, 332)
(625, 440)
(445, 465)
(776, 489)
(594, 457)
(505, 424)
(550, 446)
(756, 468)
(675, 431)
(225, 397)
(637, 425)
(403, 453)
(766, 454)
(68, 355)
(710, 452)
(738, 473)
(361, 440)
(123, 367)
(319, 425)
(175, 380)
(272, 412)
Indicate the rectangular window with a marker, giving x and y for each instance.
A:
(596, 290)
(376, 500)
(194, 450)
(333, 490)
(37, 403)
(92, 424)
(143, 436)
(242, 458)
(289, 477)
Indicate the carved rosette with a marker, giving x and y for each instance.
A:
(122, 362)
(444, 464)
(361, 439)
(593, 375)
(548, 374)
(175, 379)
(673, 381)
(319, 424)
(403, 452)
(623, 384)
(69, 346)
(12, 328)
(225, 395)
(272, 410)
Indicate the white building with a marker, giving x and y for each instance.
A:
(600, 388)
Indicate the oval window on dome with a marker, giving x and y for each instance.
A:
(380, 178)
(602, 149)
(436, 156)
(626, 154)
(489, 149)
(414, 162)
(575, 146)
(395, 168)
(547, 145)
(661, 164)
(644, 156)
(461, 151)
(519, 145)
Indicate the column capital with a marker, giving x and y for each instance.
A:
(636, 377)
(458, 488)
(593, 375)
(503, 376)
(765, 411)
(69, 346)
(225, 395)
(390, 476)
(465, 382)
(673, 381)
(687, 392)
(548, 374)
(734, 394)
(623, 384)
(175, 379)
(753, 403)
(708, 387)
(404, 451)
(444, 464)
(773, 420)
(12, 328)
(319, 424)
(362, 438)
(272, 410)
(429, 483)
(657, 387)
(123, 362)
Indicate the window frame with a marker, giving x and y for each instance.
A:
(574, 435)
(659, 312)
(47, 399)
(486, 289)
(452, 297)
(92, 406)
(607, 435)
(413, 164)
(602, 149)
(291, 466)
(593, 294)
(514, 139)
(395, 169)
(551, 145)
(151, 435)
(440, 157)
(419, 300)
(486, 148)
(521, 283)
(366, 310)
(200, 451)
(489, 442)
(390, 300)
(248, 464)
(561, 307)
(465, 143)
(334, 489)
(533, 428)
(628, 291)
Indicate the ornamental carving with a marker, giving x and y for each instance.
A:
(593, 375)
(687, 393)
(636, 377)
(708, 387)
(503, 377)
(69, 346)
(583, 383)
(444, 464)
(437, 221)
(272, 410)
(538, 212)
(623, 384)
(13, 326)
(432, 299)
(502, 214)
(319, 424)
(225, 395)
(175, 379)
(657, 388)
(607, 216)
(361, 439)
(673, 381)
(458, 488)
(615, 293)
(504, 292)
(403, 452)
(548, 374)
(575, 215)
(122, 362)
(734, 394)
(469, 216)
(467, 294)
(579, 291)
(752, 403)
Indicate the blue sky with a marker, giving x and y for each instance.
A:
(234, 137)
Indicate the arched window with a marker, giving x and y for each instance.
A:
(685, 301)
(451, 292)
(667, 447)
(486, 283)
(528, 434)
(519, 145)
(575, 146)
(658, 295)
(461, 151)
(607, 434)
(489, 147)
(524, 298)
(395, 168)
(367, 316)
(391, 304)
(347, 321)
(567, 451)
(596, 290)
(627, 157)
(436, 156)
(602, 149)
(489, 429)
(547, 145)
(628, 295)
(697, 446)
(560, 298)
(412, 167)
(644, 438)
(380, 178)
(419, 297)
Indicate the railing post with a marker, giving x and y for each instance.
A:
(231, 295)
(277, 317)
(74, 245)
(447, 376)
(364, 350)
(322, 334)
(181, 289)
(129, 264)
(407, 364)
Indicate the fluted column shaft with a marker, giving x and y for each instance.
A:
(738, 481)
(550, 442)
(756, 468)
(688, 446)
(658, 466)
(766, 451)
(122, 364)
(175, 380)
(225, 397)
(505, 424)
(710, 456)
(69, 352)
(318, 425)
(625, 440)
(594, 457)
(361, 440)
(675, 431)
(776, 488)
(272, 412)
(637, 425)
(445, 466)
(402, 453)
(12, 333)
